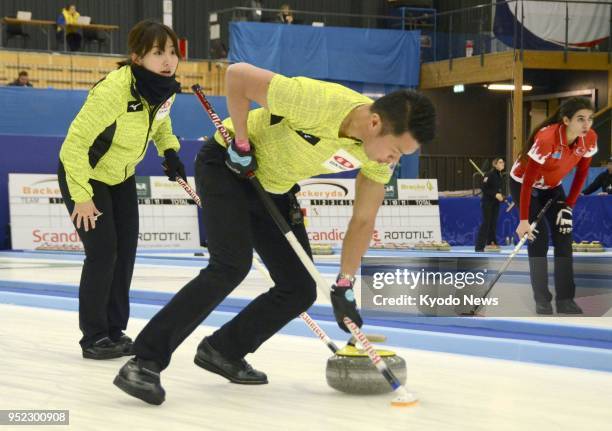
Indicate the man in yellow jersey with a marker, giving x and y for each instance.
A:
(303, 128)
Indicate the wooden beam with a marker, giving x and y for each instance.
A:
(609, 87)
(466, 70)
(498, 67)
(553, 105)
(575, 60)
(517, 108)
(610, 103)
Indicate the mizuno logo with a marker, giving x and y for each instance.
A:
(312, 140)
(134, 106)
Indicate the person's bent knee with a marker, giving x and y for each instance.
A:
(233, 272)
(306, 294)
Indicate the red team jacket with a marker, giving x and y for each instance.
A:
(549, 160)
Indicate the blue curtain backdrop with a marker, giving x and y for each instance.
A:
(49, 112)
(460, 219)
(330, 53)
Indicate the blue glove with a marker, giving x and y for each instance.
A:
(344, 303)
(240, 162)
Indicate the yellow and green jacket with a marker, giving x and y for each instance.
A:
(110, 134)
(298, 136)
(69, 19)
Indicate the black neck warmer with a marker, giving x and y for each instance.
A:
(153, 87)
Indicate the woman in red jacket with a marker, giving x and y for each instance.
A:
(559, 144)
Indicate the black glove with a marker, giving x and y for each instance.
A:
(240, 162)
(173, 167)
(344, 304)
(564, 218)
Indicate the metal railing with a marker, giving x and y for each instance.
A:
(458, 33)
(480, 29)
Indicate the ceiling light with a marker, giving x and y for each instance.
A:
(507, 87)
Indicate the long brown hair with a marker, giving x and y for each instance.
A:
(568, 108)
(144, 35)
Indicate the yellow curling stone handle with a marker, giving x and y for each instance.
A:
(352, 351)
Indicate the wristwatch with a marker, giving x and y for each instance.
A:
(345, 276)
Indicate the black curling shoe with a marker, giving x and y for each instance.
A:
(568, 306)
(137, 380)
(238, 371)
(127, 344)
(544, 308)
(104, 348)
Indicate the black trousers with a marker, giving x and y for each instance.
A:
(110, 252)
(486, 233)
(73, 41)
(236, 223)
(537, 249)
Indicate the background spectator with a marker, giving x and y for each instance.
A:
(603, 181)
(492, 186)
(22, 81)
(65, 23)
(256, 12)
(285, 15)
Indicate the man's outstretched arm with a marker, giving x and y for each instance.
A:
(244, 84)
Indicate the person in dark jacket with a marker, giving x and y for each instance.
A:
(602, 181)
(23, 80)
(491, 198)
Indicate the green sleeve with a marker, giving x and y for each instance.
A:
(378, 172)
(164, 139)
(104, 104)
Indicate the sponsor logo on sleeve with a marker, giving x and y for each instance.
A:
(341, 161)
(163, 110)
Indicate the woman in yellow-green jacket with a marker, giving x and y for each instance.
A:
(68, 18)
(105, 142)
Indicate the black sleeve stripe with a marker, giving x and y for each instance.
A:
(275, 119)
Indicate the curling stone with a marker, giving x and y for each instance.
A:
(429, 246)
(444, 246)
(321, 249)
(492, 248)
(596, 247)
(351, 371)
